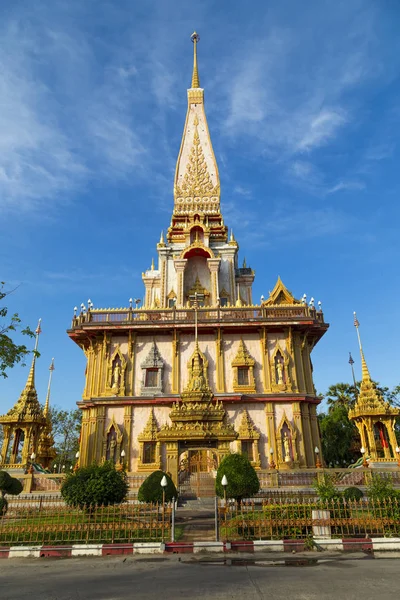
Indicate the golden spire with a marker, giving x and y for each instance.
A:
(364, 369)
(195, 77)
(30, 382)
(27, 407)
(47, 403)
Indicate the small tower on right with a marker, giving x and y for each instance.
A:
(374, 417)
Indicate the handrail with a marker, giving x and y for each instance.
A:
(207, 314)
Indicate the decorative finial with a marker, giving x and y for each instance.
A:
(162, 238)
(152, 264)
(30, 382)
(244, 263)
(47, 403)
(195, 77)
(364, 369)
(232, 239)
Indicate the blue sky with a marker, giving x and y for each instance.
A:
(302, 101)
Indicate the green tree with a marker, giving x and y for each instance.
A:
(10, 352)
(339, 437)
(66, 426)
(341, 394)
(96, 485)
(8, 485)
(242, 478)
(151, 489)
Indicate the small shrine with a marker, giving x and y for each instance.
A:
(27, 428)
(374, 417)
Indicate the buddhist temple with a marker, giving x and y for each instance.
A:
(374, 417)
(200, 369)
(27, 427)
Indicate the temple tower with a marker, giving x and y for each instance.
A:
(199, 370)
(24, 423)
(374, 417)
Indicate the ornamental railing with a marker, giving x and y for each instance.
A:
(143, 316)
(291, 518)
(50, 521)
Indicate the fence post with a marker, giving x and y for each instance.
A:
(28, 483)
(173, 521)
(274, 478)
(216, 520)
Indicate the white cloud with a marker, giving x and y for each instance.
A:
(346, 185)
(321, 128)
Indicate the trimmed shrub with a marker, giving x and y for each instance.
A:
(151, 490)
(242, 478)
(8, 485)
(95, 485)
(353, 494)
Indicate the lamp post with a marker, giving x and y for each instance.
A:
(55, 468)
(272, 464)
(317, 459)
(77, 455)
(163, 484)
(121, 461)
(364, 462)
(33, 456)
(224, 483)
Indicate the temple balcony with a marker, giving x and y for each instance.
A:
(300, 314)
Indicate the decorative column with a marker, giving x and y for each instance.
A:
(292, 362)
(92, 433)
(131, 353)
(99, 432)
(172, 461)
(298, 423)
(271, 433)
(264, 360)
(314, 429)
(298, 360)
(180, 265)
(219, 361)
(84, 443)
(175, 363)
(127, 444)
(308, 441)
(213, 265)
(6, 443)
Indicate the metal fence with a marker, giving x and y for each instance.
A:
(280, 519)
(51, 521)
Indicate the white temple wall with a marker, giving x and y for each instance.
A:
(231, 347)
(142, 349)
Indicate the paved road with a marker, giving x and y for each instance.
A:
(113, 578)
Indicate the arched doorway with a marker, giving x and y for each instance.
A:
(197, 471)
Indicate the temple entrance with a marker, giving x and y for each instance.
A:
(197, 469)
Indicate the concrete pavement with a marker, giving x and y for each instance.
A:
(355, 577)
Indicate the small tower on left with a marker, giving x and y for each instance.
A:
(24, 424)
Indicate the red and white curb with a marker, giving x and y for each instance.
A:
(340, 545)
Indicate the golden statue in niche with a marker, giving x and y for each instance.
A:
(116, 376)
(286, 448)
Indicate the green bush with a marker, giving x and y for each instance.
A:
(381, 488)
(8, 485)
(242, 478)
(152, 491)
(3, 506)
(95, 485)
(325, 488)
(353, 494)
